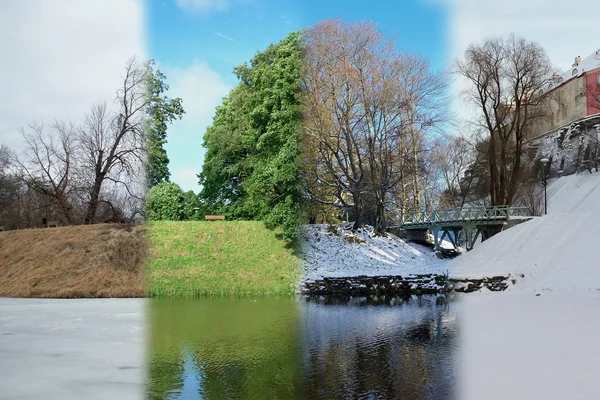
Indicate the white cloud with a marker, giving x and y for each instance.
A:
(59, 57)
(202, 90)
(564, 29)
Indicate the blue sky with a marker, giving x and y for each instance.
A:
(197, 43)
(183, 36)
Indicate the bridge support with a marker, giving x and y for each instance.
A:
(450, 233)
(472, 233)
(435, 231)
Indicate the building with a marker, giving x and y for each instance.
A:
(570, 136)
(571, 96)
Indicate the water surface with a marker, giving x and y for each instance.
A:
(72, 349)
(305, 348)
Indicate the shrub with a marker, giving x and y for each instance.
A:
(165, 201)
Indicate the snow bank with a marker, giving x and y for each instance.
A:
(538, 339)
(556, 252)
(342, 253)
(519, 346)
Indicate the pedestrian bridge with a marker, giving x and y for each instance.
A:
(484, 221)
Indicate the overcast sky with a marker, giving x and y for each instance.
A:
(564, 29)
(61, 56)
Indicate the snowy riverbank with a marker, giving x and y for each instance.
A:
(339, 252)
(557, 252)
(537, 339)
(337, 260)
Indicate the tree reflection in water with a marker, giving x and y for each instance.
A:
(383, 347)
(242, 349)
(315, 348)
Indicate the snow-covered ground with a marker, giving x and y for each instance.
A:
(342, 253)
(72, 349)
(521, 346)
(539, 338)
(557, 252)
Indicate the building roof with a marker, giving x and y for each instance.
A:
(579, 67)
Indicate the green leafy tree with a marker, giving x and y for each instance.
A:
(165, 201)
(192, 206)
(161, 112)
(226, 164)
(251, 168)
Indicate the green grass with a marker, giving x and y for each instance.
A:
(219, 258)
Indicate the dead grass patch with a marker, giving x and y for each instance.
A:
(73, 262)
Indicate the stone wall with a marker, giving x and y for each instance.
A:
(377, 285)
(572, 148)
(396, 285)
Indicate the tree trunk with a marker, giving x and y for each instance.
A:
(381, 222)
(357, 208)
(65, 210)
(493, 171)
(511, 189)
(415, 160)
(93, 204)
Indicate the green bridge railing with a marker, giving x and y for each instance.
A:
(463, 215)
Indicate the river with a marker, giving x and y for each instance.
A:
(302, 348)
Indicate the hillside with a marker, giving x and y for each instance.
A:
(219, 258)
(337, 252)
(553, 252)
(71, 262)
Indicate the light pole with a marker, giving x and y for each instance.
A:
(545, 162)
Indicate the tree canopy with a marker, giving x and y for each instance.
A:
(251, 167)
(161, 111)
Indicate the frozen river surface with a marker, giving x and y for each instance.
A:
(72, 349)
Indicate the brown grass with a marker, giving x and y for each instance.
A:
(73, 262)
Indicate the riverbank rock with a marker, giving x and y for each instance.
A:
(467, 285)
(365, 285)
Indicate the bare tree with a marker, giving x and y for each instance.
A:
(506, 80)
(333, 116)
(111, 145)
(367, 107)
(454, 157)
(9, 184)
(92, 172)
(46, 165)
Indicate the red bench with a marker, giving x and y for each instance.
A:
(214, 218)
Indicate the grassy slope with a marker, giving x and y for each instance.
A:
(228, 258)
(77, 261)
